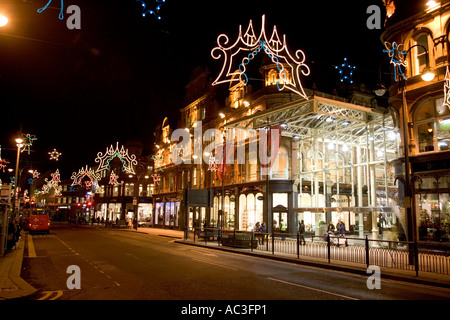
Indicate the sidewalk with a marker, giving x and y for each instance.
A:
(12, 286)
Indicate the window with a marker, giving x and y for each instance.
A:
(420, 55)
(280, 169)
(432, 126)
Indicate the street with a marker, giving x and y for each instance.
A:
(118, 264)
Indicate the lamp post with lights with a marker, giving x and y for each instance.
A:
(427, 75)
(19, 142)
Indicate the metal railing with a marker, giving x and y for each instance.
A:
(402, 255)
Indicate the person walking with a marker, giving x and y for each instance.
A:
(283, 227)
(301, 232)
(341, 228)
(262, 230)
(331, 227)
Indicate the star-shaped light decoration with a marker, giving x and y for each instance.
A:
(36, 174)
(346, 71)
(54, 155)
(155, 12)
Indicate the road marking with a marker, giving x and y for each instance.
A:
(89, 262)
(315, 289)
(215, 264)
(47, 295)
(30, 244)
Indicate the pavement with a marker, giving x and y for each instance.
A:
(12, 286)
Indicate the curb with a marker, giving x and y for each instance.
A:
(13, 279)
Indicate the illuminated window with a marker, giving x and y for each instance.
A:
(419, 54)
(280, 169)
(432, 126)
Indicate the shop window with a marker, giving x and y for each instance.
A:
(433, 208)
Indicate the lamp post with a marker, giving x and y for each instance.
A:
(19, 142)
(140, 171)
(427, 75)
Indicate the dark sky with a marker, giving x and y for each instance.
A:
(80, 91)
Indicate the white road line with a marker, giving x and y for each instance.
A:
(310, 288)
(215, 264)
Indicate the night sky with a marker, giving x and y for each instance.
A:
(80, 91)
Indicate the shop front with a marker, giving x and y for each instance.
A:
(167, 213)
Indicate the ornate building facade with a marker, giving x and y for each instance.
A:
(421, 110)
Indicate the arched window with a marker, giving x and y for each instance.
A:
(419, 55)
(432, 126)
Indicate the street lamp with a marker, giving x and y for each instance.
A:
(3, 20)
(19, 142)
(427, 75)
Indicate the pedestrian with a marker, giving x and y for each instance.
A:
(330, 227)
(11, 242)
(263, 230)
(341, 228)
(301, 232)
(283, 227)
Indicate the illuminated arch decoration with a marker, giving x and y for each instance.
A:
(346, 71)
(155, 12)
(85, 172)
(276, 49)
(28, 142)
(447, 89)
(127, 161)
(397, 58)
(54, 183)
(61, 15)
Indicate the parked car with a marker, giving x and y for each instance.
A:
(146, 223)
